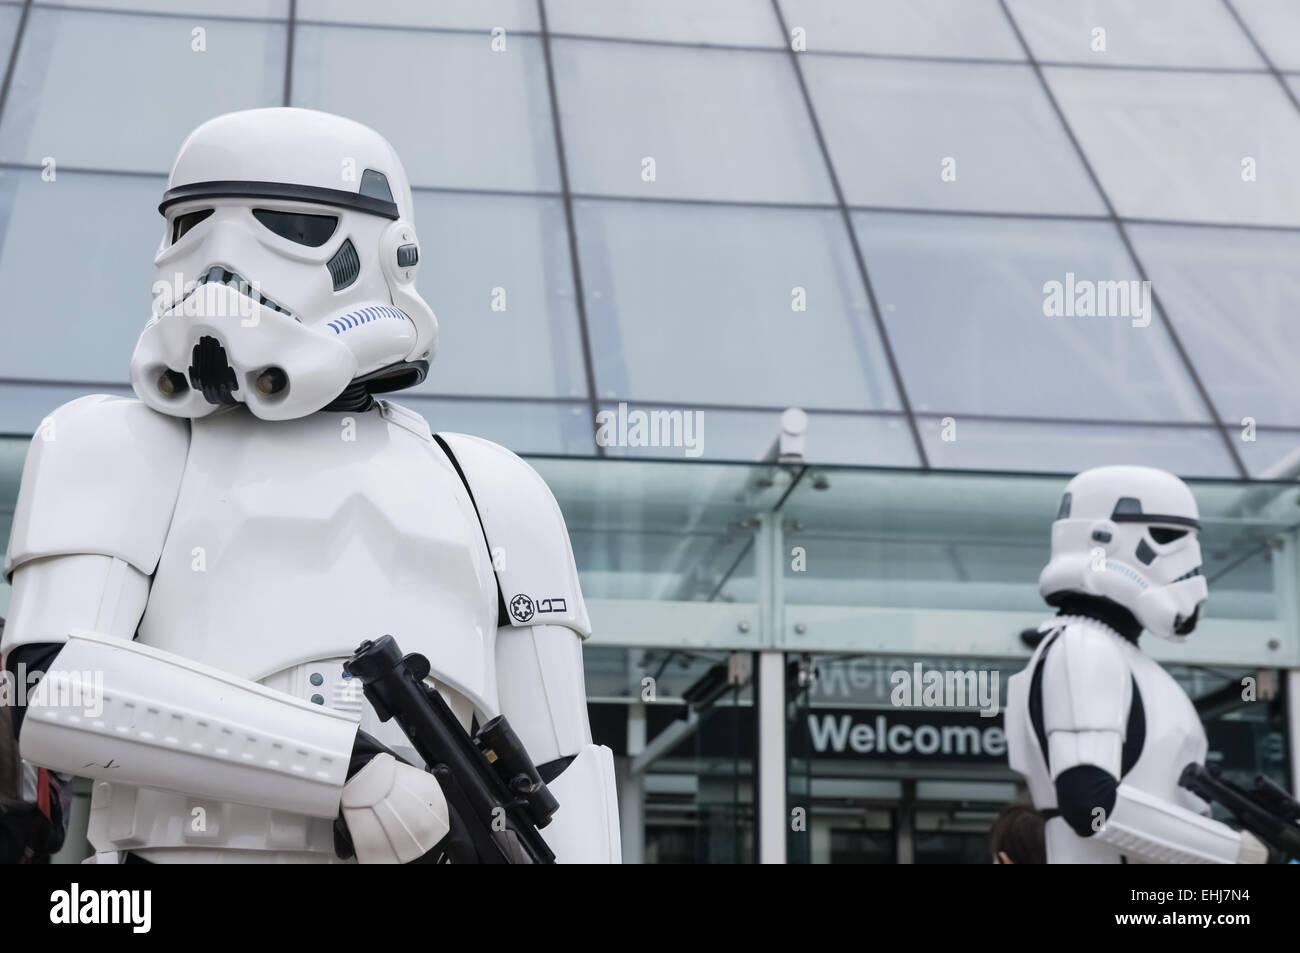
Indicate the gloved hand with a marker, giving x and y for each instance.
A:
(395, 813)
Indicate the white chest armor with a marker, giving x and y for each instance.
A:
(292, 542)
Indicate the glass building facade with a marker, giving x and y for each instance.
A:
(726, 209)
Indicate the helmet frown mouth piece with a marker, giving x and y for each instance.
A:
(223, 276)
(211, 373)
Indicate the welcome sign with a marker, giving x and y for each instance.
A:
(905, 735)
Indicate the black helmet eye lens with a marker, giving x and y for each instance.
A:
(184, 223)
(1164, 536)
(310, 230)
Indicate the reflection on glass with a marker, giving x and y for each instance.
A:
(449, 14)
(1275, 25)
(484, 118)
(1041, 446)
(636, 124)
(106, 306)
(974, 28)
(649, 530)
(496, 271)
(102, 90)
(1194, 33)
(962, 136)
(1233, 295)
(979, 541)
(1171, 145)
(686, 767)
(728, 305)
(969, 308)
(718, 22)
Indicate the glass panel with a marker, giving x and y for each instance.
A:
(108, 91)
(457, 14)
(1052, 447)
(484, 118)
(1275, 25)
(1246, 738)
(9, 17)
(697, 303)
(497, 273)
(663, 531)
(944, 541)
(946, 135)
(1150, 33)
(1233, 296)
(1172, 145)
(888, 784)
(521, 426)
(749, 139)
(748, 435)
(1266, 456)
(977, 541)
(691, 800)
(720, 22)
(257, 9)
(966, 301)
(106, 229)
(914, 28)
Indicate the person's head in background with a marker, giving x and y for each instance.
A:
(1017, 836)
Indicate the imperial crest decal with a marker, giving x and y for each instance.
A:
(521, 608)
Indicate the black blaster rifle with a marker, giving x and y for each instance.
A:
(1266, 810)
(497, 799)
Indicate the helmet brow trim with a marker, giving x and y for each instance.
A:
(279, 190)
(1129, 510)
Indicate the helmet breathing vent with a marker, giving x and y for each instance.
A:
(211, 373)
(344, 266)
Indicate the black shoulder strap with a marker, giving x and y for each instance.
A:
(501, 602)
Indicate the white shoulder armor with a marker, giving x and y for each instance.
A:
(1087, 691)
(102, 477)
(526, 535)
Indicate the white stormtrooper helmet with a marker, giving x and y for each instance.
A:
(286, 273)
(1128, 534)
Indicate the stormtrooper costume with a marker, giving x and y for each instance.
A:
(1099, 730)
(215, 550)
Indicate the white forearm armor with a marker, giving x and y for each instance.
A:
(1165, 833)
(124, 712)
